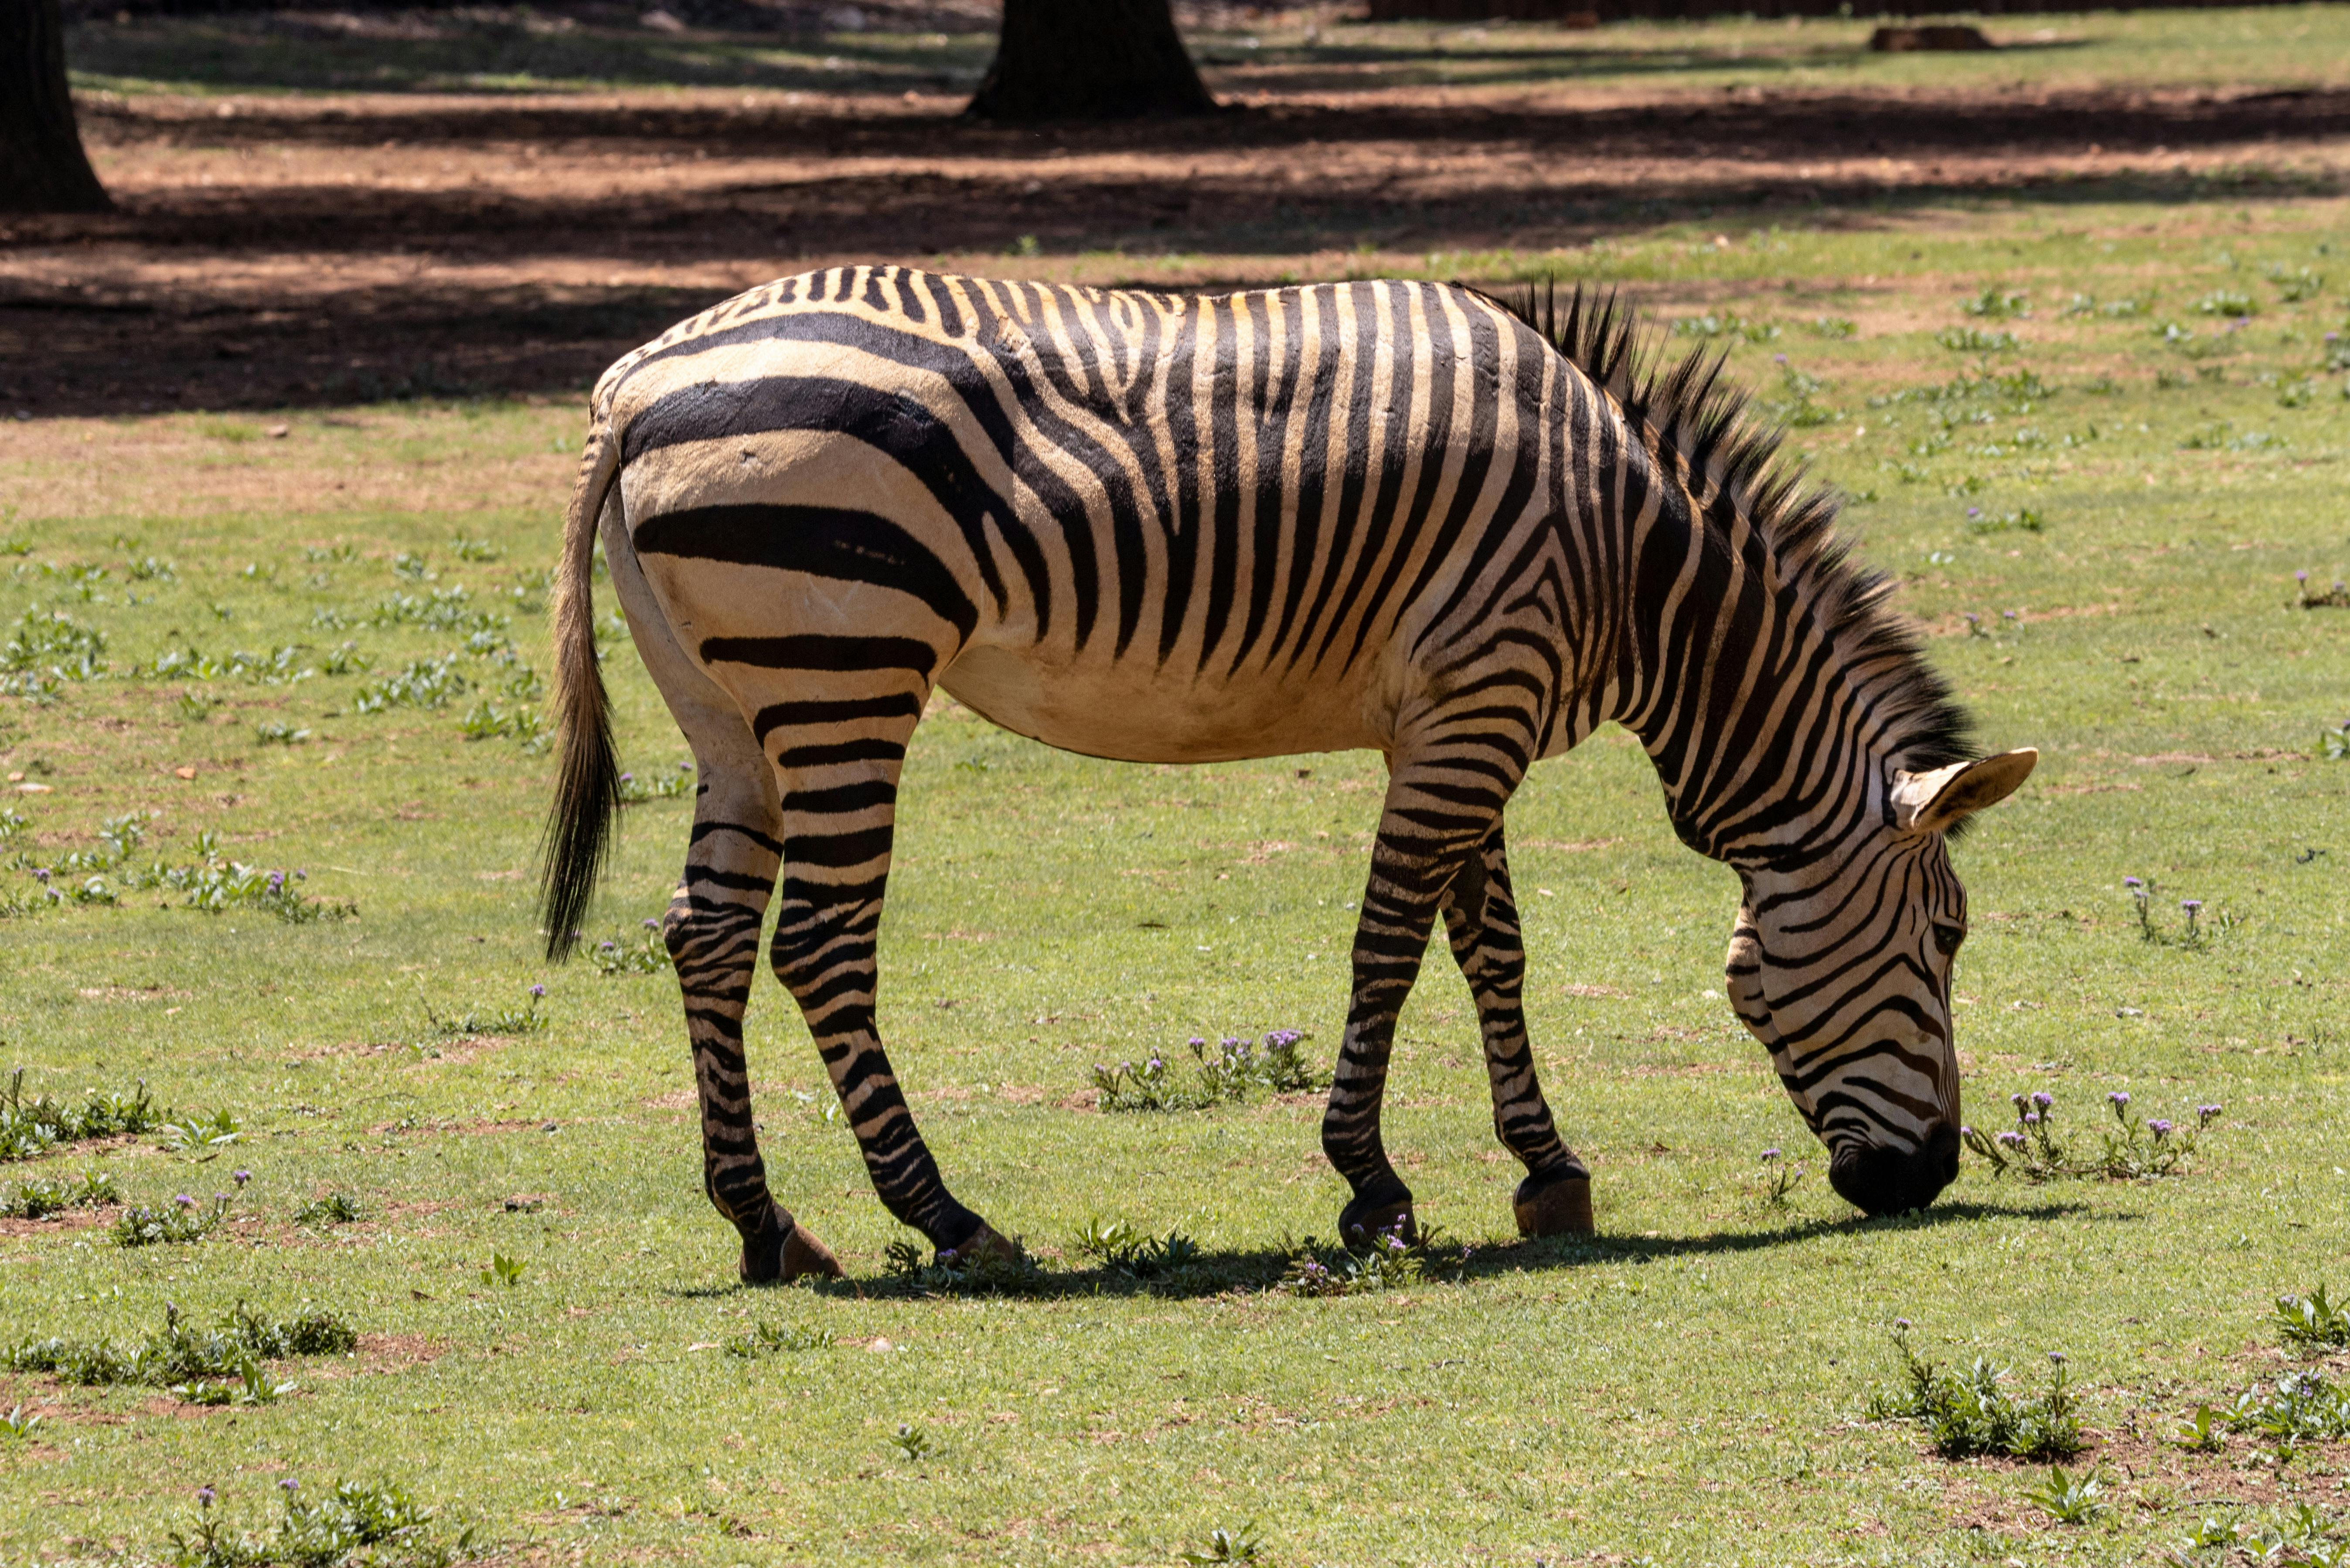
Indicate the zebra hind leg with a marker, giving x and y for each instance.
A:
(838, 770)
(1481, 917)
(711, 931)
(711, 928)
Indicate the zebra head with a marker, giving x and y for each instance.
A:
(1841, 966)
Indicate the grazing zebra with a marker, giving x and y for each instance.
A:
(1164, 529)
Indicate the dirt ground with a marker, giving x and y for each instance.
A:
(278, 249)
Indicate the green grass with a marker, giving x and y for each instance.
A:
(1689, 1389)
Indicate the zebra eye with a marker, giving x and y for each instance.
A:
(1948, 938)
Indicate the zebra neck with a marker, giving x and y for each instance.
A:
(1760, 727)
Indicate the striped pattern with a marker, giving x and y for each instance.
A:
(1388, 516)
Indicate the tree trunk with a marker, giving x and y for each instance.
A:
(1087, 59)
(42, 166)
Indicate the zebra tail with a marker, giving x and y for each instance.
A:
(587, 787)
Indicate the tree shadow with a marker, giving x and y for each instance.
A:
(506, 300)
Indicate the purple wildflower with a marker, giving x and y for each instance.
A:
(2160, 1129)
(2011, 1139)
(2043, 1098)
(290, 1484)
(1902, 1324)
(2119, 1097)
(2303, 577)
(2132, 883)
(241, 1177)
(1769, 1154)
(537, 991)
(2192, 906)
(204, 1496)
(2032, 1118)
(651, 924)
(277, 881)
(184, 1201)
(2056, 1357)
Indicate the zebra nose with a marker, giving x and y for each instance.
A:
(1894, 1180)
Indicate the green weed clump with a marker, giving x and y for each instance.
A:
(635, 791)
(1972, 1413)
(180, 1355)
(2311, 1322)
(475, 1021)
(1386, 1261)
(177, 1224)
(29, 1127)
(2071, 1499)
(43, 1196)
(1235, 1065)
(2297, 1408)
(763, 1339)
(644, 953)
(334, 1208)
(356, 1523)
(1122, 1249)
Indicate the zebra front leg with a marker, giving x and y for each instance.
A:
(840, 811)
(1481, 916)
(1437, 812)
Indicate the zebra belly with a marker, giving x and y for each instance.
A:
(1130, 712)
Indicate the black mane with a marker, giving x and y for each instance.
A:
(1704, 432)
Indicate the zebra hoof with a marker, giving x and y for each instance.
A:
(984, 1245)
(1556, 1206)
(804, 1255)
(781, 1250)
(1359, 1222)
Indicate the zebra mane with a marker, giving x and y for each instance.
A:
(1706, 433)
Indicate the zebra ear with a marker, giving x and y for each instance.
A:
(1936, 801)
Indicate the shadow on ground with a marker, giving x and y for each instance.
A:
(1212, 1272)
(128, 316)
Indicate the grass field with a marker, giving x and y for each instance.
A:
(2096, 438)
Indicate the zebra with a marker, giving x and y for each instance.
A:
(1401, 516)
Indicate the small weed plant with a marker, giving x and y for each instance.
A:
(764, 1339)
(1223, 1072)
(2193, 932)
(643, 953)
(202, 1138)
(503, 1271)
(2071, 1499)
(379, 1526)
(178, 1353)
(1386, 1261)
(334, 1208)
(2312, 1323)
(1240, 1545)
(478, 1022)
(912, 1442)
(2133, 1149)
(177, 1223)
(637, 791)
(2294, 1410)
(34, 1126)
(1972, 1413)
(1123, 1249)
(16, 1425)
(1779, 1176)
(43, 1195)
